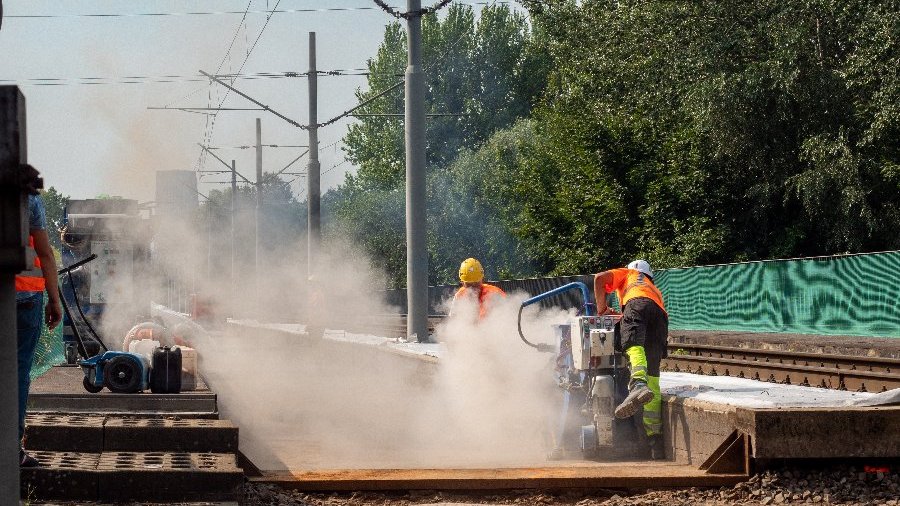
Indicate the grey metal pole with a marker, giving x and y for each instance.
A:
(233, 199)
(313, 190)
(417, 255)
(259, 197)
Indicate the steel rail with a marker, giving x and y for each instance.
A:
(841, 372)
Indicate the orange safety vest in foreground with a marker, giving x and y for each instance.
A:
(629, 283)
(486, 293)
(31, 280)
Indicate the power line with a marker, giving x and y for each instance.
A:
(412, 14)
(335, 166)
(210, 127)
(213, 13)
(171, 78)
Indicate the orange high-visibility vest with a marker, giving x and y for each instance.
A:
(31, 280)
(485, 294)
(629, 283)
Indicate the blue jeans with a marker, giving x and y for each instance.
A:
(30, 320)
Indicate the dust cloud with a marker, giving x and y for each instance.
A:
(310, 403)
(329, 394)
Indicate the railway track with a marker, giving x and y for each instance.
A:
(839, 372)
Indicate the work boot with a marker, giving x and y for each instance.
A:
(657, 449)
(26, 460)
(639, 395)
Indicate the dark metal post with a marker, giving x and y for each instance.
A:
(417, 255)
(13, 238)
(313, 190)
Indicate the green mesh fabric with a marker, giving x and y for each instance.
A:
(49, 351)
(846, 295)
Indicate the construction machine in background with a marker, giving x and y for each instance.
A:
(114, 231)
(592, 373)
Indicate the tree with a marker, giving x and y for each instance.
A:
(54, 203)
(484, 72)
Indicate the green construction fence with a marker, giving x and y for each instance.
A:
(49, 351)
(854, 295)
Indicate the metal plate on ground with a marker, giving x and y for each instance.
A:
(613, 475)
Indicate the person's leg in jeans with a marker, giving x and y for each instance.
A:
(29, 318)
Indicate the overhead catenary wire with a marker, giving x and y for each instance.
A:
(101, 15)
(163, 79)
(210, 127)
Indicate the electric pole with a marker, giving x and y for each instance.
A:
(233, 199)
(313, 220)
(416, 253)
(259, 196)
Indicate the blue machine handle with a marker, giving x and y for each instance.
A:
(585, 297)
(556, 291)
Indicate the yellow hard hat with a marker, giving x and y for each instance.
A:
(471, 271)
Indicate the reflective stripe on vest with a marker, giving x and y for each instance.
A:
(31, 280)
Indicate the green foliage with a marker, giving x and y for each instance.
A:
(54, 204)
(485, 72)
(682, 132)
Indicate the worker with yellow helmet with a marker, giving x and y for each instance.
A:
(471, 275)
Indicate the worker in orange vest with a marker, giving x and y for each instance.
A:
(645, 330)
(31, 313)
(471, 275)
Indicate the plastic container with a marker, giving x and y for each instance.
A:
(188, 367)
(165, 371)
(144, 348)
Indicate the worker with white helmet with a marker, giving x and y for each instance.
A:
(471, 275)
(645, 330)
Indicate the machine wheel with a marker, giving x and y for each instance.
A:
(90, 386)
(122, 375)
(589, 441)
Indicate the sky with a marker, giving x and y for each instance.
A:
(92, 139)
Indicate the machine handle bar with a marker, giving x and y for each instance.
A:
(585, 297)
(77, 264)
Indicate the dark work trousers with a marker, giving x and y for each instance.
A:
(645, 324)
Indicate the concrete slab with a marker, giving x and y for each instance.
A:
(126, 476)
(747, 393)
(60, 391)
(872, 432)
(173, 435)
(66, 379)
(64, 433)
(62, 475)
(165, 476)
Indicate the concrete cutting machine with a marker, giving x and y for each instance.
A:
(593, 375)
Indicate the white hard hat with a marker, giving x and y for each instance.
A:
(641, 266)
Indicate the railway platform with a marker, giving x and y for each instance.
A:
(717, 427)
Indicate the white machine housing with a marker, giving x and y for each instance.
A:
(111, 274)
(593, 342)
